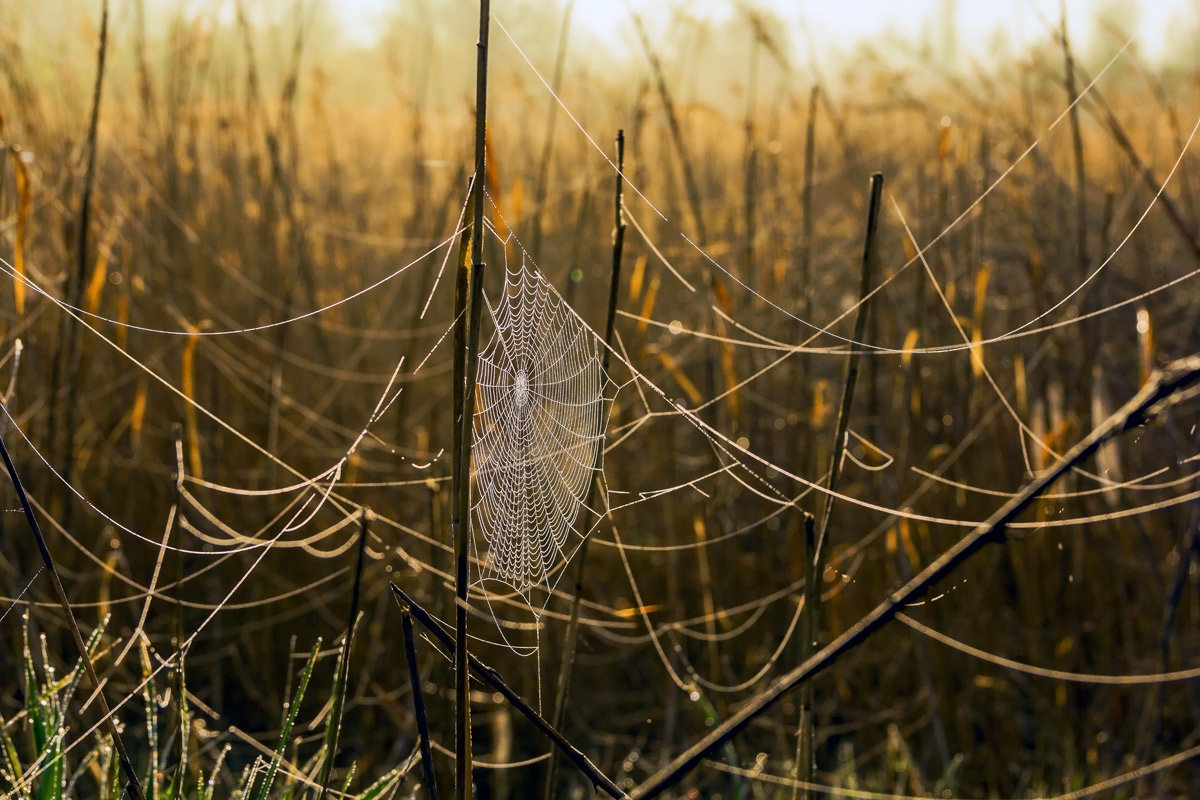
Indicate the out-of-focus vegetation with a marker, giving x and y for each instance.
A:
(251, 168)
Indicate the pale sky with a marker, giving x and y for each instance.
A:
(845, 22)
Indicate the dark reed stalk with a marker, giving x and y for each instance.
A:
(869, 258)
(493, 679)
(68, 357)
(1178, 382)
(469, 308)
(815, 532)
(134, 787)
(414, 679)
(334, 730)
(808, 637)
(567, 666)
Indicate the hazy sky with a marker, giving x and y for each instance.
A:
(846, 21)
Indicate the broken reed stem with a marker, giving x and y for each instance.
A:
(468, 307)
(815, 548)
(856, 348)
(414, 678)
(1179, 381)
(567, 666)
(339, 696)
(133, 786)
(493, 679)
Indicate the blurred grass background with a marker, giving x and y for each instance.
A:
(251, 168)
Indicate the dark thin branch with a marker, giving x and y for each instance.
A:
(467, 355)
(493, 679)
(414, 678)
(134, 787)
(68, 362)
(1177, 382)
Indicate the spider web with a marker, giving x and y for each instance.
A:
(539, 425)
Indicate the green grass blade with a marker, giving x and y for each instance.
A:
(293, 710)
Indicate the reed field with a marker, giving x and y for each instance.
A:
(867, 300)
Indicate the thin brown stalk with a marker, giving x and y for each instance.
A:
(685, 162)
(1076, 146)
(1176, 215)
(806, 212)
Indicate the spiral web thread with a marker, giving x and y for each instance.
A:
(539, 426)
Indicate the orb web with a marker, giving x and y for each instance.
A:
(539, 424)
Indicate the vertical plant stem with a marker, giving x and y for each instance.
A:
(751, 185)
(68, 357)
(134, 787)
(856, 348)
(414, 678)
(1076, 146)
(567, 667)
(339, 692)
(815, 552)
(685, 162)
(469, 307)
(543, 173)
(806, 214)
(808, 640)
